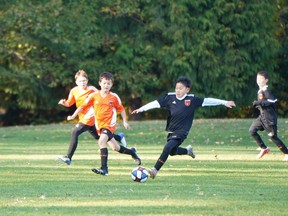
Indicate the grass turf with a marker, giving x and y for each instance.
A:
(224, 179)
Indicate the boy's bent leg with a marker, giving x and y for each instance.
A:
(171, 148)
(132, 152)
(92, 130)
(117, 137)
(183, 151)
(256, 126)
(171, 145)
(274, 137)
(120, 137)
(114, 145)
(77, 130)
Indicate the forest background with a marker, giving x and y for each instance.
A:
(146, 45)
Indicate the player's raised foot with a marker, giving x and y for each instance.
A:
(122, 139)
(190, 151)
(65, 159)
(100, 171)
(136, 158)
(263, 152)
(152, 173)
(285, 157)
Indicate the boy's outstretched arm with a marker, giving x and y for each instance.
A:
(230, 104)
(216, 102)
(151, 105)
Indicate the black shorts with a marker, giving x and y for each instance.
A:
(176, 136)
(261, 124)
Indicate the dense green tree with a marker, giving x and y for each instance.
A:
(282, 83)
(146, 44)
(44, 44)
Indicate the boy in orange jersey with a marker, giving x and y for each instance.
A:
(106, 104)
(86, 122)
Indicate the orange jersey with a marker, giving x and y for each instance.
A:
(86, 116)
(105, 110)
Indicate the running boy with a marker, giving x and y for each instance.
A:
(86, 117)
(106, 104)
(267, 120)
(181, 107)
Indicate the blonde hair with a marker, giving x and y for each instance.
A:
(81, 73)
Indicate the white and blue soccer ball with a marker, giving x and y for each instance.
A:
(139, 174)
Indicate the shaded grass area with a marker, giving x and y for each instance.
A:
(224, 179)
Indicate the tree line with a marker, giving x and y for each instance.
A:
(147, 45)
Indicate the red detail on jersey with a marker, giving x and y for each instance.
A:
(187, 102)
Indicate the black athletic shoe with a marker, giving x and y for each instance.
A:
(100, 171)
(136, 158)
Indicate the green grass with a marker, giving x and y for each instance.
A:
(224, 179)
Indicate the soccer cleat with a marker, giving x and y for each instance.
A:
(285, 157)
(262, 153)
(65, 159)
(100, 171)
(190, 151)
(152, 172)
(135, 156)
(122, 139)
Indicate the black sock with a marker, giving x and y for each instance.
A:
(104, 158)
(124, 150)
(162, 159)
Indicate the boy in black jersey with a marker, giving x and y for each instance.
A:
(267, 120)
(181, 107)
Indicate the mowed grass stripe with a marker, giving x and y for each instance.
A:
(224, 179)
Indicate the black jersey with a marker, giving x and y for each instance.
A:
(181, 112)
(267, 106)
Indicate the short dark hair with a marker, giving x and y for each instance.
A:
(185, 81)
(264, 74)
(106, 75)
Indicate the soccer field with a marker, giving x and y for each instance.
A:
(224, 179)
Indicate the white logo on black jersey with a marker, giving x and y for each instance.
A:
(174, 102)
